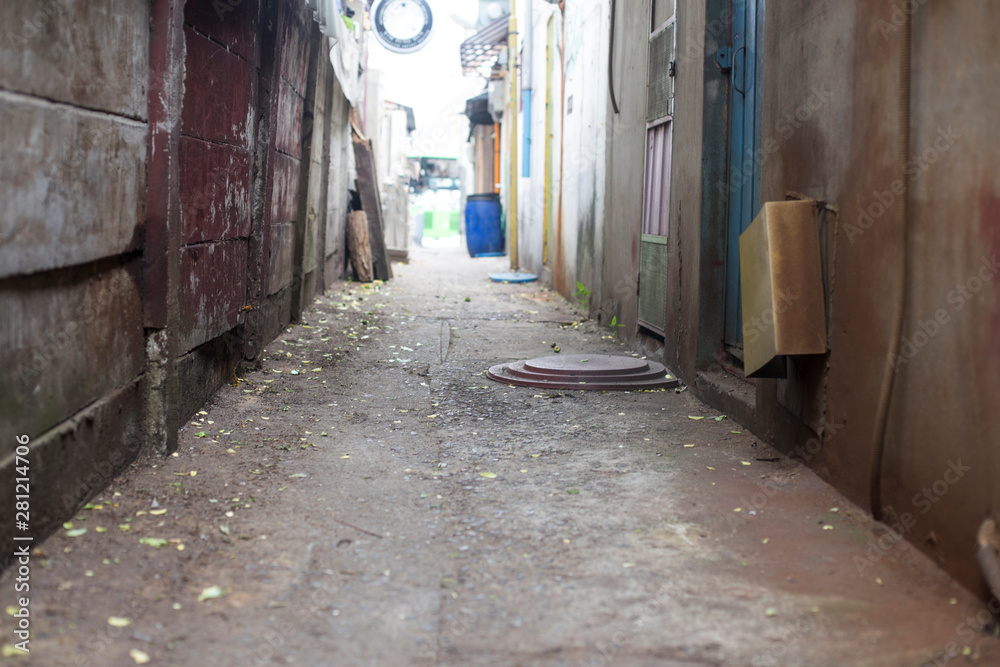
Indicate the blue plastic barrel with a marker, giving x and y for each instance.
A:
(483, 230)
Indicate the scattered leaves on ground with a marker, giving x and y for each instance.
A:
(155, 542)
(139, 657)
(211, 593)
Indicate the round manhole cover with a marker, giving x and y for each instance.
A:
(594, 372)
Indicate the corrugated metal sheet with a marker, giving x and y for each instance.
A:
(656, 203)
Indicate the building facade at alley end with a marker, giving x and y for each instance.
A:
(652, 133)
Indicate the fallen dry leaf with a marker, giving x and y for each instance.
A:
(138, 656)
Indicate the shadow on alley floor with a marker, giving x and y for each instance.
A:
(368, 497)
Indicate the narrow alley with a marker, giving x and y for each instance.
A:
(249, 405)
(369, 497)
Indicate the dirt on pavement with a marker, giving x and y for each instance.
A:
(369, 497)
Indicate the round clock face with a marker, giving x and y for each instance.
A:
(402, 26)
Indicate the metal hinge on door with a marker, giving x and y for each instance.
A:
(724, 58)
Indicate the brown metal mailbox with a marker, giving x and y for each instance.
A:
(781, 279)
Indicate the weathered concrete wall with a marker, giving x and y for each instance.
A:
(699, 118)
(944, 409)
(949, 383)
(531, 193)
(151, 175)
(575, 183)
(586, 138)
(72, 178)
(940, 450)
(614, 294)
(829, 131)
(341, 174)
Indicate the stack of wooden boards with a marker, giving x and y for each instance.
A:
(365, 238)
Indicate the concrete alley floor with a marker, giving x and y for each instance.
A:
(369, 497)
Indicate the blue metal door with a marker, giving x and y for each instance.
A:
(742, 185)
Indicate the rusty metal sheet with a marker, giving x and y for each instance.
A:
(220, 90)
(585, 372)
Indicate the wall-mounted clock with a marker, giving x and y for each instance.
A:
(402, 26)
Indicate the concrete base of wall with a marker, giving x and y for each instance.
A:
(310, 287)
(277, 313)
(334, 268)
(205, 369)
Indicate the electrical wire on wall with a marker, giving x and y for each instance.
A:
(902, 221)
(611, 60)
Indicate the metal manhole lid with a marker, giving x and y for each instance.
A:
(586, 372)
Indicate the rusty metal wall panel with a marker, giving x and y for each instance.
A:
(288, 139)
(295, 25)
(215, 190)
(213, 291)
(284, 188)
(220, 91)
(233, 24)
(215, 172)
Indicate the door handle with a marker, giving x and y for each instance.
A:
(735, 59)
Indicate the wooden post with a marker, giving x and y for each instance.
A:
(359, 246)
(371, 202)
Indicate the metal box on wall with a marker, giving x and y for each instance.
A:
(781, 282)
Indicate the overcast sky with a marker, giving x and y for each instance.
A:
(431, 80)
